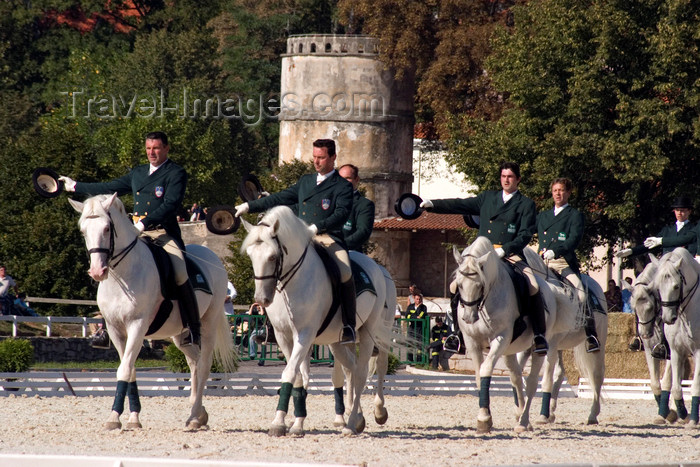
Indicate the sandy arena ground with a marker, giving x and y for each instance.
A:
(429, 430)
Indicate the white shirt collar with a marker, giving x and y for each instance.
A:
(507, 196)
(680, 225)
(152, 168)
(560, 209)
(320, 178)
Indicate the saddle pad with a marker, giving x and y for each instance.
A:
(521, 286)
(362, 281)
(197, 277)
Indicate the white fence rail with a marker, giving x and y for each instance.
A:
(48, 321)
(624, 388)
(156, 383)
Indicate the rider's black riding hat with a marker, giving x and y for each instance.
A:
(682, 202)
(222, 220)
(46, 182)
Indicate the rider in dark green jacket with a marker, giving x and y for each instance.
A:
(324, 201)
(507, 219)
(358, 228)
(159, 189)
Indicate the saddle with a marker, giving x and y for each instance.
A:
(359, 275)
(522, 294)
(593, 303)
(168, 287)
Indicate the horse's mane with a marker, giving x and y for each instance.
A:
(479, 247)
(290, 228)
(679, 253)
(647, 275)
(93, 206)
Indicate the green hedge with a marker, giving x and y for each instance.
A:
(16, 355)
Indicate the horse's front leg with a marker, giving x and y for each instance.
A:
(126, 385)
(551, 361)
(531, 389)
(693, 421)
(676, 376)
(299, 393)
(484, 422)
(294, 352)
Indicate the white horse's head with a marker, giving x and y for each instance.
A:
(677, 282)
(644, 301)
(476, 272)
(97, 227)
(274, 246)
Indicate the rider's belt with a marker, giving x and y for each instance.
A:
(497, 245)
(136, 218)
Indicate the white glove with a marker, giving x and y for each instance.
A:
(68, 183)
(313, 229)
(500, 252)
(652, 242)
(242, 209)
(548, 255)
(139, 226)
(264, 193)
(623, 253)
(426, 204)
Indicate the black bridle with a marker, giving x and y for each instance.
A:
(110, 251)
(282, 278)
(479, 300)
(681, 300)
(657, 309)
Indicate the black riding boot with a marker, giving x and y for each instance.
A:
(592, 344)
(661, 350)
(189, 313)
(453, 341)
(539, 323)
(349, 311)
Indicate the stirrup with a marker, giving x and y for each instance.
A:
(661, 352)
(592, 344)
(636, 345)
(348, 335)
(188, 338)
(452, 343)
(541, 346)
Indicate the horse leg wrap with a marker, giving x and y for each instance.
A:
(515, 397)
(663, 404)
(484, 401)
(285, 393)
(680, 408)
(546, 399)
(299, 395)
(339, 402)
(132, 391)
(119, 397)
(694, 408)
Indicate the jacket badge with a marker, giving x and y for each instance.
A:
(159, 191)
(325, 204)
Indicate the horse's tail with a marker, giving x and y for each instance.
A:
(224, 350)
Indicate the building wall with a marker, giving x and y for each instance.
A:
(432, 264)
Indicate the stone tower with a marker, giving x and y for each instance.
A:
(334, 86)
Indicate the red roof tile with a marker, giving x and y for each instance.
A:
(427, 221)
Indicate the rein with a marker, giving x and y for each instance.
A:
(283, 278)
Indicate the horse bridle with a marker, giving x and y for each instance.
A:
(278, 275)
(680, 301)
(479, 300)
(110, 251)
(656, 308)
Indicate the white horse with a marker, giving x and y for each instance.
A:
(566, 336)
(129, 296)
(677, 280)
(292, 284)
(486, 314)
(646, 306)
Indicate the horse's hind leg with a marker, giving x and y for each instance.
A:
(200, 364)
(380, 413)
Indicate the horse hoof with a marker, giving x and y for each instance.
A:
(348, 432)
(382, 418)
(192, 425)
(522, 429)
(659, 420)
(541, 420)
(277, 430)
(592, 421)
(113, 425)
(360, 426)
(296, 432)
(484, 426)
(691, 425)
(133, 425)
(339, 424)
(672, 417)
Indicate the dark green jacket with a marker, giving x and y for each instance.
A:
(672, 239)
(510, 225)
(561, 233)
(327, 205)
(157, 196)
(358, 227)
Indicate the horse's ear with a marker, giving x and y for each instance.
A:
(247, 225)
(77, 205)
(677, 263)
(456, 254)
(653, 259)
(275, 226)
(106, 204)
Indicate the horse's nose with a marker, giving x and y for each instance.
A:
(98, 273)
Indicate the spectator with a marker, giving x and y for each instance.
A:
(438, 334)
(413, 288)
(613, 296)
(196, 213)
(7, 283)
(626, 295)
(257, 332)
(416, 313)
(22, 307)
